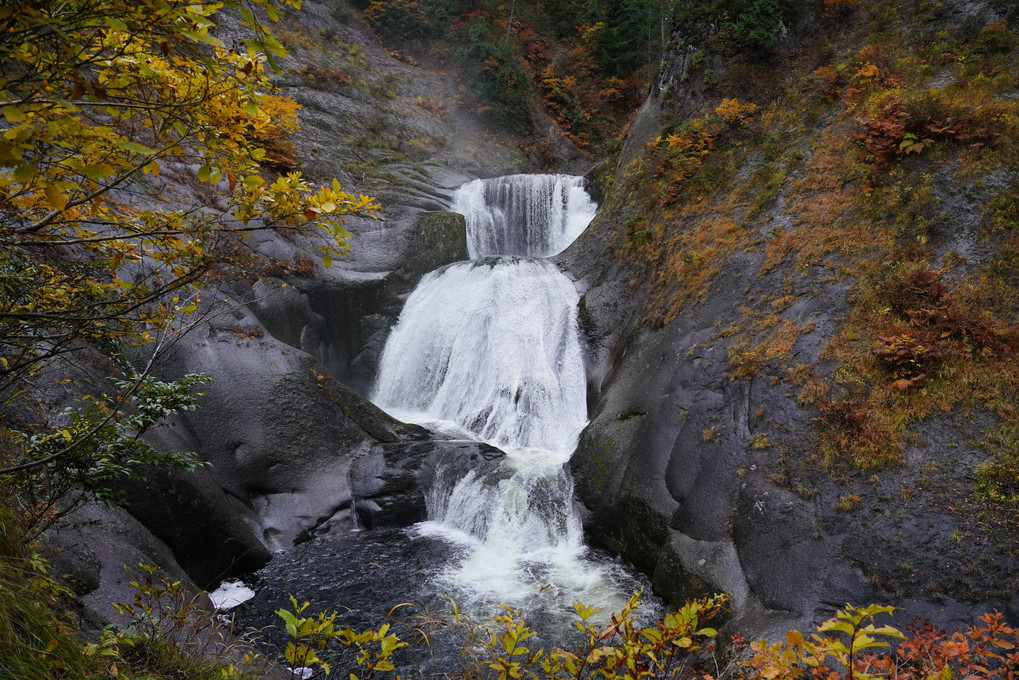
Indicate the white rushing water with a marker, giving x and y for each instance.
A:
(530, 215)
(229, 594)
(492, 346)
(490, 349)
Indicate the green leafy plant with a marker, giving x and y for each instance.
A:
(309, 636)
(623, 649)
(171, 633)
(841, 642)
(99, 443)
(312, 634)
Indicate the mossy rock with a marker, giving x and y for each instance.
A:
(440, 238)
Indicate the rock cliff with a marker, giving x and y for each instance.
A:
(739, 293)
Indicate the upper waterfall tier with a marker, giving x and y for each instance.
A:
(528, 215)
(494, 347)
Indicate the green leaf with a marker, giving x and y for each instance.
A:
(202, 37)
(134, 147)
(23, 173)
(14, 114)
(886, 630)
(275, 47)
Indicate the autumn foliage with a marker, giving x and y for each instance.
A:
(102, 103)
(85, 123)
(685, 645)
(847, 647)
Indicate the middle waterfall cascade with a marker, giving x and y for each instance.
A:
(490, 349)
(492, 346)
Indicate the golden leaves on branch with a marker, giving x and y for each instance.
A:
(99, 98)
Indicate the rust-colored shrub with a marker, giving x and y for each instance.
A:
(851, 646)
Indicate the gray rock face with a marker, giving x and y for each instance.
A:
(280, 434)
(90, 550)
(710, 482)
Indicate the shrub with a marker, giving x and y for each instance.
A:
(98, 443)
(734, 112)
(496, 74)
(274, 135)
(845, 648)
(750, 27)
(172, 634)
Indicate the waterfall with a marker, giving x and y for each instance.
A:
(490, 349)
(529, 215)
(492, 346)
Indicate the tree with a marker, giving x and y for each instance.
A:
(98, 97)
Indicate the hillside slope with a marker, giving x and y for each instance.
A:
(800, 293)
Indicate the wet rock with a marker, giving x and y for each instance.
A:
(441, 239)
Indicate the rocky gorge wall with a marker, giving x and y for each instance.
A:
(708, 462)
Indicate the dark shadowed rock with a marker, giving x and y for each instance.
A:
(97, 552)
(203, 527)
(390, 483)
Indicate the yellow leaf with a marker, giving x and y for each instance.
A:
(14, 114)
(56, 198)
